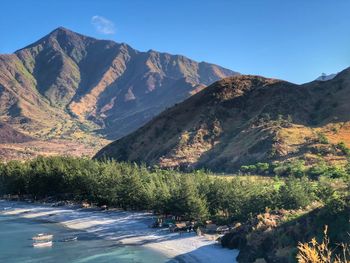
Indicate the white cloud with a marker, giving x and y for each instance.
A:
(103, 25)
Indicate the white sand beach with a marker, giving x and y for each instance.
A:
(129, 228)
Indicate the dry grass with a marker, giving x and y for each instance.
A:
(32, 149)
(338, 133)
(253, 178)
(296, 135)
(314, 252)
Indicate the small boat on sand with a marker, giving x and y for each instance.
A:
(42, 236)
(42, 244)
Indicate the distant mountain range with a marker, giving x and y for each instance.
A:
(72, 94)
(325, 77)
(243, 120)
(73, 87)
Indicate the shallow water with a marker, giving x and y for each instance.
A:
(16, 246)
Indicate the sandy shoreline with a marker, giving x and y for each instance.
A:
(129, 228)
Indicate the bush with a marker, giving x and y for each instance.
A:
(322, 138)
(345, 150)
(262, 168)
(336, 172)
(314, 252)
(249, 169)
(259, 168)
(295, 168)
(296, 193)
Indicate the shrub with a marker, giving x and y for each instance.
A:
(322, 138)
(296, 193)
(314, 252)
(345, 150)
(259, 168)
(262, 168)
(248, 169)
(336, 172)
(295, 168)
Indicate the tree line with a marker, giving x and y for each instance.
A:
(197, 195)
(298, 168)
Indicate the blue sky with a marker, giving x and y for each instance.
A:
(295, 40)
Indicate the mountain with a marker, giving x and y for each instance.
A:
(243, 120)
(70, 86)
(325, 77)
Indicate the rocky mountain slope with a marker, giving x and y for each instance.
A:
(70, 86)
(10, 135)
(244, 120)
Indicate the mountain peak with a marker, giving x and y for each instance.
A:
(60, 34)
(62, 31)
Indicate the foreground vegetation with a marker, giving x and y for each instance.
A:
(315, 252)
(280, 211)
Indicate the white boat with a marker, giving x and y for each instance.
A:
(43, 244)
(42, 236)
(70, 239)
